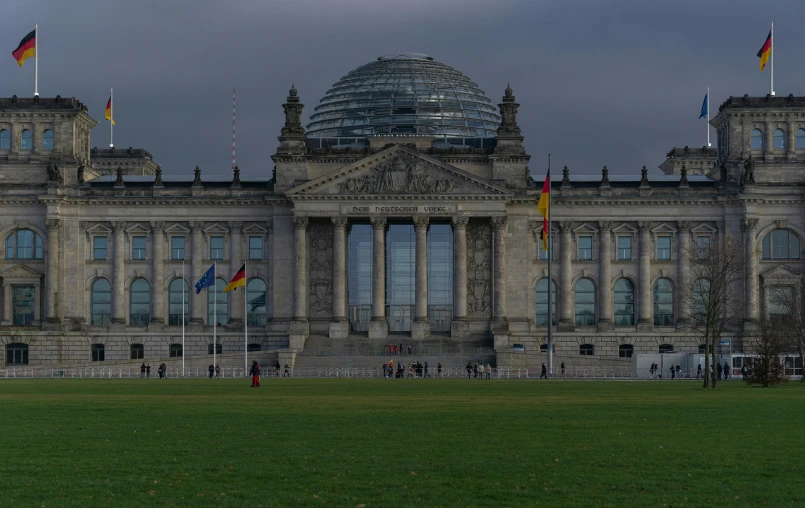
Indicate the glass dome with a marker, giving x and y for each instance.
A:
(407, 93)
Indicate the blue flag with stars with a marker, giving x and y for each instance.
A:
(207, 280)
(704, 108)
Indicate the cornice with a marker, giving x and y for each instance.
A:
(399, 197)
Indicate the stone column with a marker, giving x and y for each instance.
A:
(119, 277)
(459, 328)
(378, 326)
(683, 271)
(499, 277)
(420, 328)
(197, 270)
(300, 268)
(768, 141)
(605, 276)
(157, 260)
(52, 278)
(751, 274)
(339, 327)
(566, 252)
(7, 315)
(235, 262)
(645, 310)
(791, 142)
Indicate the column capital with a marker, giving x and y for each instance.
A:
(534, 226)
(499, 222)
(421, 222)
(605, 225)
(235, 226)
(566, 226)
(158, 226)
(53, 224)
(118, 225)
(683, 225)
(644, 225)
(378, 222)
(339, 221)
(196, 226)
(749, 224)
(459, 221)
(300, 221)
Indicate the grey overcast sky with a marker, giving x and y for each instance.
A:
(599, 82)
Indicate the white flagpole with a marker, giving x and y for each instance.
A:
(772, 57)
(550, 275)
(245, 319)
(111, 118)
(184, 288)
(36, 64)
(214, 314)
(708, 116)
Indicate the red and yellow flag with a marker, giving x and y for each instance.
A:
(26, 49)
(109, 110)
(239, 280)
(544, 207)
(765, 52)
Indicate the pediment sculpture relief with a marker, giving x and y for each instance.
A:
(398, 176)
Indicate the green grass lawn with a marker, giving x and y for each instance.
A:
(398, 443)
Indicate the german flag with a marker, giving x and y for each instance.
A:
(109, 110)
(763, 54)
(26, 49)
(238, 280)
(543, 207)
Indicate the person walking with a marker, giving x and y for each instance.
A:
(217, 371)
(678, 370)
(148, 369)
(673, 372)
(543, 372)
(211, 368)
(255, 372)
(726, 371)
(286, 373)
(159, 371)
(720, 370)
(277, 369)
(439, 369)
(426, 370)
(488, 371)
(563, 368)
(142, 370)
(469, 370)
(699, 371)
(401, 348)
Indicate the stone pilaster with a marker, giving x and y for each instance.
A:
(500, 326)
(119, 276)
(459, 329)
(751, 273)
(197, 268)
(52, 278)
(378, 326)
(339, 327)
(605, 276)
(235, 256)
(299, 326)
(420, 327)
(768, 141)
(566, 253)
(158, 258)
(645, 321)
(683, 271)
(791, 141)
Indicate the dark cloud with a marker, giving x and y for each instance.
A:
(616, 83)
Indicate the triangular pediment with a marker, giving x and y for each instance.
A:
(21, 272)
(663, 228)
(399, 171)
(781, 273)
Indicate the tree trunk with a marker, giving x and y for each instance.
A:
(715, 363)
(706, 361)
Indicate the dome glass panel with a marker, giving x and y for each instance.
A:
(408, 93)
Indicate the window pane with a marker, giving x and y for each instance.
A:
(216, 247)
(256, 297)
(5, 140)
(47, 140)
(177, 302)
(779, 299)
(757, 139)
(663, 247)
(793, 245)
(440, 276)
(663, 303)
(779, 139)
(800, 139)
(585, 303)
(624, 303)
(585, 247)
(140, 303)
(359, 276)
(177, 247)
(779, 244)
(702, 247)
(101, 304)
(217, 312)
(138, 248)
(624, 247)
(23, 300)
(99, 247)
(255, 247)
(27, 140)
(542, 302)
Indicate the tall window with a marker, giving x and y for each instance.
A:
(756, 139)
(24, 302)
(400, 275)
(175, 350)
(585, 303)
(624, 303)
(5, 140)
(585, 247)
(624, 247)
(101, 296)
(216, 247)
(543, 254)
(779, 139)
(587, 350)
(666, 348)
(23, 244)
(663, 303)
(800, 139)
(220, 311)
(98, 352)
(542, 302)
(27, 140)
(781, 244)
(137, 351)
(702, 247)
(138, 248)
(440, 277)
(47, 140)
(99, 247)
(663, 248)
(140, 303)
(177, 310)
(359, 276)
(256, 306)
(255, 248)
(780, 299)
(17, 354)
(625, 350)
(177, 248)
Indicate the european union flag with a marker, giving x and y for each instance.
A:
(704, 108)
(207, 280)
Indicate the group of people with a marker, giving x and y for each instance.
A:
(721, 371)
(145, 370)
(396, 350)
(478, 370)
(214, 369)
(416, 369)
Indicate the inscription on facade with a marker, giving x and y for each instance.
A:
(400, 210)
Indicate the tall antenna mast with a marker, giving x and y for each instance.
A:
(234, 162)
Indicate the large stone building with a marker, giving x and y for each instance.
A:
(404, 212)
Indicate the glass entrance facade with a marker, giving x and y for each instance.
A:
(440, 277)
(400, 276)
(359, 276)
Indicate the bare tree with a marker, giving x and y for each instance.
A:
(710, 304)
(767, 346)
(787, 311)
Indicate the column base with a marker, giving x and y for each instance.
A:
(298, 334)
(500, 334)
(286, 358)
(117, 326)
(645, 326)
(51, 325)
(378, 328)
(420, 330)
(460, 329)
(605, 325)
(566, 325)
(339, 330)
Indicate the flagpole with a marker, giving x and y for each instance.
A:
(708, 117)
(184, 288)
(111, 118)
(214, 314)
(550, 276)
(772, 58)
(36, 63)
(245, 318)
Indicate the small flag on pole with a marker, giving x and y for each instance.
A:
(765, 52)
(109, 111)
(26, 49)
(703, 114)
(239, 280)
(207, 280)
(543, 206)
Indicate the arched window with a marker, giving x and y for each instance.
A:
(177, 302)
(101, 295)
(97, 351)
(220, 311)
(47, 140)
(587, 350)
(625, 350)
(27, 140)
(256, 298)
(252, 348)
(175, 350)
(17, 354)
(23, 244)
(800, 140)
(219, 348)
(778, 141)
(756, 139)
(542, 302)
(663, 303)
(140, 303)
(624, 303)
(781, 244)
(5, 140)
(137, 351)
(585, 303)
(666, 348)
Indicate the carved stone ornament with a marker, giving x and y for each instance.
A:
(749, 224)
(157, 226)
(644, 177)
(683, 226)
(54, 175)
(508, 114)
(566, 226)
(118, 225)
(400, 175)
(197, 177)
(236, 177)
(749, 171)
(299, 221)
(535, 226)
(80, 175)
(605, 177)
(378, 222)
(293, 115)
(644, 225)
(605, 225)
(566, 178)
(53, 224)
(459, 221)
(479, 276)
(158, 179)
(339, 221)
(196, 226)
(499, 222)
(320, 269)
(119, 180)
(421, 222)
(235, 226)
(683, 180)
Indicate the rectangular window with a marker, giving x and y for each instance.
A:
(543, 254)
(255, 248)
(702, 247)
(663, 248)
(99, 247)
(23, 301)
(624, 248)
(585, 247)
(177, 247)
(138, 247)
(216, 247)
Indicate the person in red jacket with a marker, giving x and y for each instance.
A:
(255, 372)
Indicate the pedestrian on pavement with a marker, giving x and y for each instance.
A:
(563, 368)
(142, 370)
(544, 372)
(699, 371)
(255, 372)
(211, 368)
(148, 369)
(720, 370)
(726, 370)
(439, 369)
(469, 370)
(488, 371)
(217, 370)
